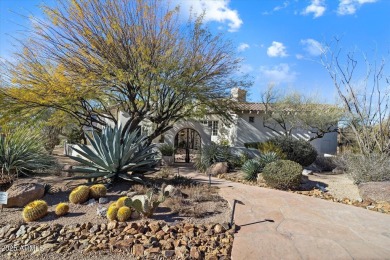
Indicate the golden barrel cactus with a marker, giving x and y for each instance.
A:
(79, 195)
(97, 191)
(62, 209)
(35, 210)
(123, 201)
(112, 212)
(123, 214)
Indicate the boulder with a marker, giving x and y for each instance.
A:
(376, 191)
(218, 168)
(19, 195)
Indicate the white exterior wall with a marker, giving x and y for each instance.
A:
(246, 132)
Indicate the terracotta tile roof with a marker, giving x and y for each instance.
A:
(246, 106)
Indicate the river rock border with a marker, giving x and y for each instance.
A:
(148, 240)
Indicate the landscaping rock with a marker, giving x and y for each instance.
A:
(103, 200)
(173, 191)
(306, 172)
(218, 168)
(337, 170)
(376, 191)
(20, 195)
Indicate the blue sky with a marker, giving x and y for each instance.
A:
(280, 41)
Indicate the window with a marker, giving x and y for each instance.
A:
(214, 130)
(251, 119)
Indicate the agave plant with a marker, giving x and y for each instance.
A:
(211, 154)
(268, 157)
(22, 151)
(114, 153)
(251, 168)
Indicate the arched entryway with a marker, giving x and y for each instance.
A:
(187, 145)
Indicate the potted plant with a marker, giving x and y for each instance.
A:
(167, 152)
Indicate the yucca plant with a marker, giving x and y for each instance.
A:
(22, 151)
(114, 153)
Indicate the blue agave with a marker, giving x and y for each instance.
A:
(114, 153)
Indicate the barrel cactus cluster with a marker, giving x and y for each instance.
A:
(82, 193)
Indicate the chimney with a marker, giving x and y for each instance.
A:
(238, 94)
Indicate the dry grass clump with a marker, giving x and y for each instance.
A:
(197, 201)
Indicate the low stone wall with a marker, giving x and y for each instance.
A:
(144, 239)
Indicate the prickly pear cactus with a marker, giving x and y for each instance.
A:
(123, 201)
(62, 209)
(79, 195)
(35, 210)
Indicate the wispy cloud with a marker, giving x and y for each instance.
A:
(347, 7)
(245, 69)
(280, 7)
(317, 7)
(243, 47)
(312, 47)
(281, 73)
(216, 10)
(277, 49)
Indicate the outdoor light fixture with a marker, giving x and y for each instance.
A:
(234, 209)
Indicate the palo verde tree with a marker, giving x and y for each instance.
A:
(90, 58)
(292, 111)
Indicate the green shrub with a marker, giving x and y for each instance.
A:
(365, 168)
(167, 150)
(299, 151)
(251, 168)
(22, 151)
(283, 174)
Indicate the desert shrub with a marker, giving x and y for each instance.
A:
(270, 147)
(365, 168)
(210, 154)
(283, 174)
(299, 151)
(254, 145)
(324, 163)
(22, 151)
(167, 150)
(251, 168)
(50, 137)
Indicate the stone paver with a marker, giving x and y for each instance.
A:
(281, 225)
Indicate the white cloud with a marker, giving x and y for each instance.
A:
(278, 74)
(277, 49)
(317, 7)
(312, 47)
(243, 47)
(347, 7)
(299, 56)
(216, 10)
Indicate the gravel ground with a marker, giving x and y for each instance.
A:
(340, 186)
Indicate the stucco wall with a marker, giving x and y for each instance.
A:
(255, 132)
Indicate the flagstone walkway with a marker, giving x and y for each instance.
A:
(281, 225)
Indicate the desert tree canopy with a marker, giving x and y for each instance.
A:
(90, 58)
